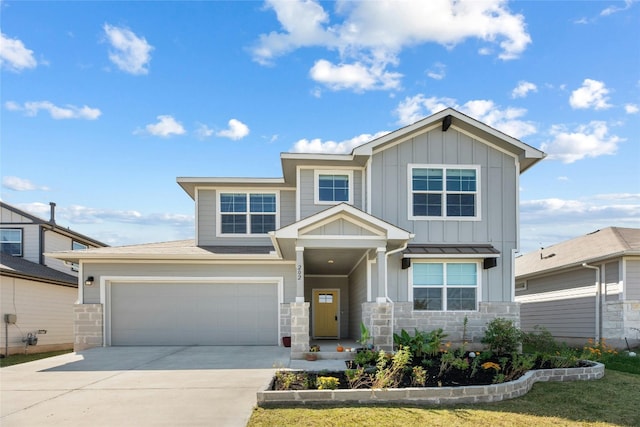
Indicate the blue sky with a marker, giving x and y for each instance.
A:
(104, 104)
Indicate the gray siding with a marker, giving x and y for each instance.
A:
(357, 296)
(340, 283)
(632, 281)
(55, 242)
(287, 208)
(611, 281)
(306, 188)
(562, 281)
(571, 318)
(169, 270)
(497, 197)
(207, 220)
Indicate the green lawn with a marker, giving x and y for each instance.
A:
(15, 359)
(611, 401)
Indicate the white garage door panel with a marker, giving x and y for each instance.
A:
(194, 314)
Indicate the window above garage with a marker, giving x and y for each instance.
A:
(250, 213)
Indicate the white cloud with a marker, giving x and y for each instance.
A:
(592, 94)
(129, 53)
(590, 140)
(78, 214)
(32, 108)
(523, 89)
(371, 35)
(332, 147)
(165, 127)
(236, 130)
(14, 55)
(438, 71)
(508, 120)
(631, 108)
(20, 184)
(357, 76)
(615, 9)
(203, 131)
(548, 221)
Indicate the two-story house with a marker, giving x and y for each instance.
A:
(37, 292)
(416, 229)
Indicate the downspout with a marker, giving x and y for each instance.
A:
(386, 289)
(598, 329)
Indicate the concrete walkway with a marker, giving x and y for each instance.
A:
(139, 386)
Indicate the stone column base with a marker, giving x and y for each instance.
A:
(299, 329)
(88, 326)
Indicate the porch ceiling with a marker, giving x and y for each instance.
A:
(316, 261)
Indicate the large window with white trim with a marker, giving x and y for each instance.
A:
(11, 241)
(445, 286)
(443, 191)
(333, 187)
(247, 213)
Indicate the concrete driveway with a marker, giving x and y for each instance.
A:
(139, 386)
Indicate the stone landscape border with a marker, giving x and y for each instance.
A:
(431, 395)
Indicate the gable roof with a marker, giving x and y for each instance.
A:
(174, 250)
(21, 268)
(597, 246)
(526, 154)
(50, 225)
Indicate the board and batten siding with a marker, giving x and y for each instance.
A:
(172, 270)
(206, 219)
(498, 181)
(306, 189)
(632, 280)
(357, 295)
(38, 306)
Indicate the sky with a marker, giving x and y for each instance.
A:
(104, 104)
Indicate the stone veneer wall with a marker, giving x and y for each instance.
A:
(452, 323)
(285, 321)
(620, 320)
(299, 329)
(88, 326)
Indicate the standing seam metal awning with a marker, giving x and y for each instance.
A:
(434, 250)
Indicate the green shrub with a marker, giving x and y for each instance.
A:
(502, 336)
(421, 344)
(327, 383)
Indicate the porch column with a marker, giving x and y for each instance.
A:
(299, 274)
(382, 274)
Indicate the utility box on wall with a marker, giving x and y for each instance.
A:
(10, 318)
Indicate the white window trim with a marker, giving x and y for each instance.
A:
(74, 265)
(21, 254)
(443, 217)
(478, 286)
(219, 214)
(316, 185)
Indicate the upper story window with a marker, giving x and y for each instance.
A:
(11, 241)
(333, 187)
(445, 286)
(76, 246)
(443, 192)
(247, 213)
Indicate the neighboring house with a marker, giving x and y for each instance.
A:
(415, 229)
(37, 292)
(584, 288)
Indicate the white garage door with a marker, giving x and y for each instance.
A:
(194, 314)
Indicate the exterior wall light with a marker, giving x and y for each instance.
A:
(89, 281)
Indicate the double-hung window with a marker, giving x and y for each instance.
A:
(333, 187)
(76, 246)
(11, 241)
(443, 192)
(247, 213)
(445, 286)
